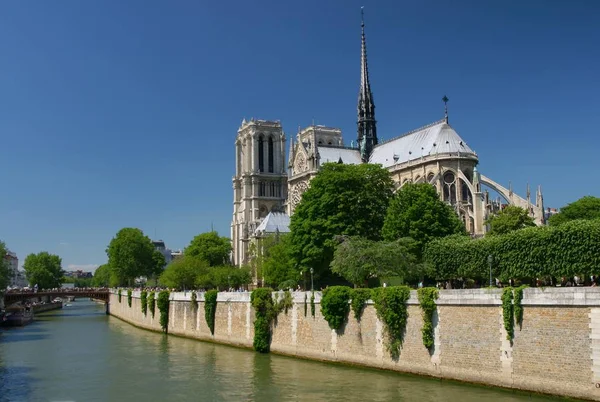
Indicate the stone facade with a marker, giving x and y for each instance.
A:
(556, 351)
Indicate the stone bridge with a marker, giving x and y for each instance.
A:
(14, 297)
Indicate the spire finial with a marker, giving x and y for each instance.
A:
(362, 16)
(445, 100)
(367, 125)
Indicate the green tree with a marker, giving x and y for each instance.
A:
(278, 262)
(4, 270)
(416, 211)
(587, 208)
(342, 200)
(183, 272)
(511, 218)
(101, 276)
(43, 269)
(225, 277)
(357, 260)
(130, 254)
(211, 248)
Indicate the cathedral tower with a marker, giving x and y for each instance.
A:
(367, 126)
(260, 182)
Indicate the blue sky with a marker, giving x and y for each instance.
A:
(124, 113)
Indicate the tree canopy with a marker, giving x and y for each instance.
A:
(509, 219)
(416, 211)
(130, 254)
(102, 276)
(277, 262)
(587, 207)
(342, 200)
(4, 274)
(43, 269)
(357, 259)
(211, 248)
(183, 272)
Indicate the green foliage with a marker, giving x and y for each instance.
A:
(286, 302)
(517, 306)
(144, 302)
(357, 259)
(183, 272)
(565, 250)
(312, 304)
(224, 278)
(163, 307)
(130, 254)
(359, 300)
(4, 269)
(129, 297)
(508, 220)
(158, 263)
(43, 269)
(416, 211)
(194, 301)
(273, 260)
(390, 303)
(508, 312)
(262, 301)
(151, 303)
(342, 199)
(427, 298)
(101, 276)
(210, 309)
(210, 247)
(119, 293)
(305, 304)
(585, 208)
(335, 305)
(78, 282)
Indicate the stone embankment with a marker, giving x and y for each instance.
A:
(555, 351)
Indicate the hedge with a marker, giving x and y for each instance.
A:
(566, 250)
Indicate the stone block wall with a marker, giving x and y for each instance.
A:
(556, 351)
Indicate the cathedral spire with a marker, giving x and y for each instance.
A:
(367, 126)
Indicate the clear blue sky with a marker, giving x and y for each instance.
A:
(124, 113)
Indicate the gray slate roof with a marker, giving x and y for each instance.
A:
(350, 156)
(273, 222)
(436, 138)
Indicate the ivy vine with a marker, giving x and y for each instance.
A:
(359, 301)
(305, 304)
(335, 305)
(144, 302)
(129, 297)
(262, 301)
(390, 303)
(151, 303)
(312, 304)
(286, 302)
(119, 294)
(194, 301)
(517, 306)
(163, 307)
(508, 312)
(427, 298)
(210, 309)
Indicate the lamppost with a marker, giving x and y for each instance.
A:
(490, 261)
(312, 286)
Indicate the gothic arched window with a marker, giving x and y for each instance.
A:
(270, 154)
(261, 154)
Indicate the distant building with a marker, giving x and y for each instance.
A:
(78, 274)
(15, 277)
(176, 253)
(159, 245)
(549, 212)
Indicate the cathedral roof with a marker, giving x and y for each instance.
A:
(438, 138)
(349, 156)
(274, 222)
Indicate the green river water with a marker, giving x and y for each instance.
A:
(80, 354)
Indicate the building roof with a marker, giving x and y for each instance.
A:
(349, 156)
(274, 222)
(434, 139)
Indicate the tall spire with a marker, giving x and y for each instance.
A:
(367, 126)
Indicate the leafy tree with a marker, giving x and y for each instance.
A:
(357, 259)
(4, 270)
(416, 211)
(224, 278)
(44, 269)
(511, 218)
(210, 247)
(130, 254)
(277, 261)
(183, 272)
(101, 276)
(587, 207)
(342, 200)
(159, 263)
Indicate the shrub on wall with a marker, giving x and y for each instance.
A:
(305, 304)
(210, 308)
(517, 306)
(390, 303)
(144, 301)
(163, 307)
(194, 301)
(151, 303)
(262, 301)
(312, 303)
(427, 298)
(119, 294)
(286, 302)
(129, 297)
(359, 301)
(335, 305)
(508, 312)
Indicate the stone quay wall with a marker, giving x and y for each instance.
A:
(556, 350)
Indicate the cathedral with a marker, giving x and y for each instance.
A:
(266, 189)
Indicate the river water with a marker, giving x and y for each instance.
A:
(80, 354)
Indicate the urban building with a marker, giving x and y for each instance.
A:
(159, 245)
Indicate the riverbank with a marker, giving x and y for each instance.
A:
(40, 308)
(554, 352)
